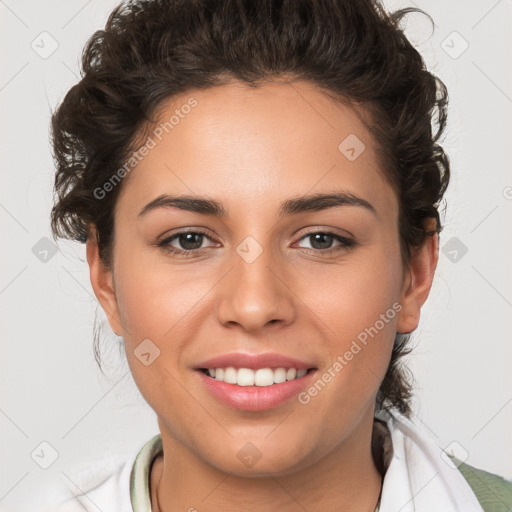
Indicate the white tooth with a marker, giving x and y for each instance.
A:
(260, 377)
(279, 375)
(245, 377)
(230, 375)
(264, 377)
(291, 374)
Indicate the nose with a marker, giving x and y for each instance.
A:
(254, 294)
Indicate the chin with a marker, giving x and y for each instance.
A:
(256, 460)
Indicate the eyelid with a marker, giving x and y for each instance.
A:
(308, 230)
(180, 231)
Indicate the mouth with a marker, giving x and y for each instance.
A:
(255, 389)
(260, 377)
(254, 382)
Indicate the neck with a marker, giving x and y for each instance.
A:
(346, 480)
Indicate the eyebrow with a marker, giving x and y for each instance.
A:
(292, 206)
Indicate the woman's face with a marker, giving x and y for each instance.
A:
(268, 276)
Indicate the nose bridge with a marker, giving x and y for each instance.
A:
(254, 292)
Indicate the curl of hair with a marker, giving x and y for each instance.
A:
(152, 50)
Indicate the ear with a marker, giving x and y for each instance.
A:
(418, 281)
(102, 281)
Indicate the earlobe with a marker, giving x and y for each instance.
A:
(102, 283)
(418, 282)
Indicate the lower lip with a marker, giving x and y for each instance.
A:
(255, 398)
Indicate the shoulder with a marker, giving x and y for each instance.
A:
(110, 486)
(103, 485)
(416, 456)
(492, 491)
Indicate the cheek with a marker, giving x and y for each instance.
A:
(351, 296)
(155, 304)
(153, 296)
(358, 306)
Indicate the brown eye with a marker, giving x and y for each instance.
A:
(188, 242)
(322, 241)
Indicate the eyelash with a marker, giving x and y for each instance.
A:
(346, 243)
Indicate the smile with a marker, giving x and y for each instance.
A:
(253, 389)
(258, 377)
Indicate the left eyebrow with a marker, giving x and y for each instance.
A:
(293, 206)
(318, 202)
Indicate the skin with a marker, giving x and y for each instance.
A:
(252, 149)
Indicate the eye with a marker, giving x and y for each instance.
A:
(190, 242)
(321, 241)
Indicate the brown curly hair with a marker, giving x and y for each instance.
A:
(151, 50)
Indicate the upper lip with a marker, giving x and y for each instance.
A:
(254, 361)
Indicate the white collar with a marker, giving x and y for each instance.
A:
(420, 477)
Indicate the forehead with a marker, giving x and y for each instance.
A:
(254, 146)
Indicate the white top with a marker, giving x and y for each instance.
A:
(419, 478)
(105, 489)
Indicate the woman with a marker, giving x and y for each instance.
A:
(258, 186)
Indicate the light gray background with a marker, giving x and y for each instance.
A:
(51, 388)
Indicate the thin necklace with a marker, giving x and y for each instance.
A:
(159, 509)
(140, 477)
(377, 507)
